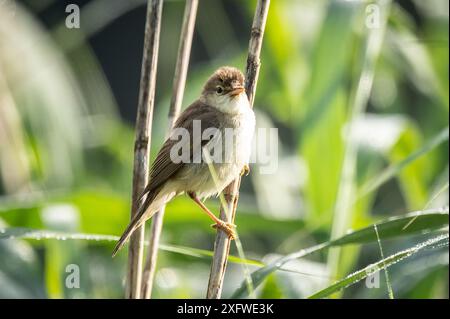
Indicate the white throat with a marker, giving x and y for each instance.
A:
(231, 105)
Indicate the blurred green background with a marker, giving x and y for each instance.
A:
(361, 108)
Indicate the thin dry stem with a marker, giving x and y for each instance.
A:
(179, 82)
(231, 192)
(142, 141)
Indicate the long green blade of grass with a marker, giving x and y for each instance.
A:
(440, 241)
(432, 199)
(392, 227)
(38, 234)
(394, 169)
(427, 220)
(388, 281)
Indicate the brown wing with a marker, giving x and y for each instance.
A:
(163, 167)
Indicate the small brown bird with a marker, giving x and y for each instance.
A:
(223, 107)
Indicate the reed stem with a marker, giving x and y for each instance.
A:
(231, 192)
(179, 82)
(143, 141)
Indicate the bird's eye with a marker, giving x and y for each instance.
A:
(219, 89)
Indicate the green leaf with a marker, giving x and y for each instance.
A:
(392, 227)
(440, 241)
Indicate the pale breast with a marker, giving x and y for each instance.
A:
(244, 126)
(233, 142)
(237, 134)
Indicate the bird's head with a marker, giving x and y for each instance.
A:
(225, 88)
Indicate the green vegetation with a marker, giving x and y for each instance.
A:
(362, 116)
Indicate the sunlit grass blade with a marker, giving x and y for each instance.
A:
(432, 199)
(388, 281)
(440, 241)
(392, 227)
(38, 234)
(42, 234)
(394, 169)
(427, 220)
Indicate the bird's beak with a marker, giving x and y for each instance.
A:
(237, 91)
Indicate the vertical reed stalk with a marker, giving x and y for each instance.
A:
(231, 192)
(142, 141)
(179, 82)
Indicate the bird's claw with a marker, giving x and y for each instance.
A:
(245, 170)
(227, 228)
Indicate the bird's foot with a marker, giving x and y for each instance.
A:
(227, 228)
(245, 170)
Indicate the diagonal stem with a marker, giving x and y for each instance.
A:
(231, 192)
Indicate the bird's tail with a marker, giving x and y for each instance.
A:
(137, 221)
